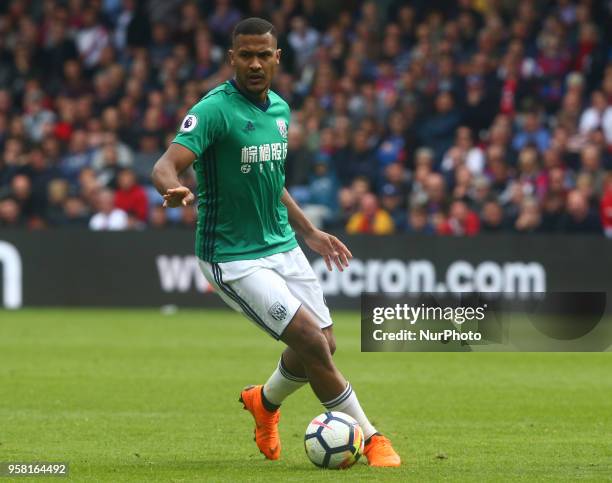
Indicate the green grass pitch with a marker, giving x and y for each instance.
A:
(134, 395)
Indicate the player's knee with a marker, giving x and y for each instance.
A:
(316, 345)
(314, 349)
(308, 341)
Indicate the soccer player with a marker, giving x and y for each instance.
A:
(236, 139)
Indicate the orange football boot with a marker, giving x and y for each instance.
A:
(379, 452)
(266, 422)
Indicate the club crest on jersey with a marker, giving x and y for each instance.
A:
(282, 127)
(278, 311)
(189, 123)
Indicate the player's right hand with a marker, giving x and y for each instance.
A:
(180, 196)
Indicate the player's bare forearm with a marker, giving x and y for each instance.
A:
(328, 246)
(167, 168)
(300, 223)
(165, 174)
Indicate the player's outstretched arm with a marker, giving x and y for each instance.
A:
(326, 245)
(174, 161)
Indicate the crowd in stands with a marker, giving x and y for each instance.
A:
(424, 116)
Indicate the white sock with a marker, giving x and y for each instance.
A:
(282, 384)
(348, 403)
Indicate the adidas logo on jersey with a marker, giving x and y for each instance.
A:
(249, 127)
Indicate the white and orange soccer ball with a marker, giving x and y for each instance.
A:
(334, 440)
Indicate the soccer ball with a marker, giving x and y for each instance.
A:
(334, 440)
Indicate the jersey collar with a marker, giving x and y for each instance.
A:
(263, 106)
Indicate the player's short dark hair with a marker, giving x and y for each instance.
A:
(253, 26)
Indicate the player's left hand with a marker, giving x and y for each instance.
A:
(330, 248)
(180, 196)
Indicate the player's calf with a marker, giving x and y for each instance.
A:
(308, 341)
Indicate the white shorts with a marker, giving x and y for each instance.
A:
(269, 290)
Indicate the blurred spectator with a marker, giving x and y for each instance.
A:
(370, 218)
(58, 191)
(423, 167)
(130, 196)
(464, 152)
(418, 222)
(399, 177)
(591, 164)
(479, 192)
(76, 214)
(529, 217)
(319, 197)
(21, 192)
(188, 217)
(299, 159)
(461, 221)
(435, 193)
(145, 157)
(597, 116)
(552, 211)
(347, 207)
(391, 201)
(78, 157)
(531, 132)
(158, 219)
(438, 130)
(480, 106)
(126, 20)
(107, 216)
(223, 19)
(37, 119)
(161, 47)
(579, 218)
(529, 178)
(92, 38)
(493, 220)
(360, 160)
(303, 40)
(392, 149)
(89, 185)
(110, 158)
(461, 183)
(74, 85)
(10, 214)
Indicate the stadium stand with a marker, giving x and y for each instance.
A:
(436, 117)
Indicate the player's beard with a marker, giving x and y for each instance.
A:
(256, 85)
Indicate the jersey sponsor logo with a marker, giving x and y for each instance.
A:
(189, 123)
(245, 168)
(264, 153)
(278, 311)
(282, 127)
